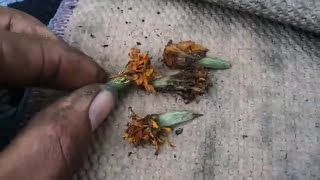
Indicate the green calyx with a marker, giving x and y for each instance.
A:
(118, 84)
(162, 83)
(171, 119)
(214, 63)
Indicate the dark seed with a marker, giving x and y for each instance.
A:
(138, 43)
(244, 136)
(105, 45)
(92, 36)
(174, 156)
(130, 8)
(129, 154)
(80, 26)
(158, 12)
(179, 131)
(142, 20)
(146, 37)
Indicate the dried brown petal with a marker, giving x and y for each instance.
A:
(188, 83)
(183, 54)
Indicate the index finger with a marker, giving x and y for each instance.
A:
(27, 61)
(20, 22)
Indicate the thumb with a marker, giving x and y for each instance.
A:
(52, 144)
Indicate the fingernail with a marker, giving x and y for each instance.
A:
(100, 107)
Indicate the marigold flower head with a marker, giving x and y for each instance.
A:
(183, 54)
(142, 130)
(140, 70)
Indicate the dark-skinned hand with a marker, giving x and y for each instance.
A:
(55, 139)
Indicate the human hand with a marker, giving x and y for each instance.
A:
(51, 145)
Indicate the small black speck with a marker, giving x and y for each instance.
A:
(72, 7)
(138, 43)
(92, 36)
(130, 8)
(127, 22)
(121, 11)
(219, 106)
(105, 45)
(222, 81)
(286, 156)
(174, 156)
(80, 26)
(129, 154)
(125, 44)
(112, 154)
(142, 20)
(169, 25)
(158, 35)
(307, 100)
(244, 136)
(118, 7)
(158, 12)
(146, 37)
(179, 131)
(239, 120)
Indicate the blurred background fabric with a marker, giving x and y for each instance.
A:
(43, 10)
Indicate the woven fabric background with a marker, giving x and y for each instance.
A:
(261, 119)
(301, 13)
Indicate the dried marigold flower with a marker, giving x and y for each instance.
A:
(140, 70)
(146, 130)
(154, 129)
(183, 54)
(188, 83)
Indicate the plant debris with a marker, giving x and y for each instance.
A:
(179, 131)
(146, 130)
(140, 70)
(183, 54)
